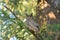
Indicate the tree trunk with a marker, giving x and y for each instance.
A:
(49, 14)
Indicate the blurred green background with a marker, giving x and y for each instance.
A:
(11, 27)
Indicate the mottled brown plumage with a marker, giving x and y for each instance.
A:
(32, 25)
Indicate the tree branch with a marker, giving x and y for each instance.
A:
(11, 12)
(36, 35)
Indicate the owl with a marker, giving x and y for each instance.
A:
(32, 25)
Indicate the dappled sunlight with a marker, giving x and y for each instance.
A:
(43, 5)
(13, 38)
(51, 15)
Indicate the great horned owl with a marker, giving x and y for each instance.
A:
(32, 25)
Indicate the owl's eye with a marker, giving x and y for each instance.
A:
(37, 26)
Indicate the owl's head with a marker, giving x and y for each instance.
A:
(29, 16)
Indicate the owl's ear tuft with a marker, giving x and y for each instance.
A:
(31, 14)
(27, 15)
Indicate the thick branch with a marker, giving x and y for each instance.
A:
(39, 37)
